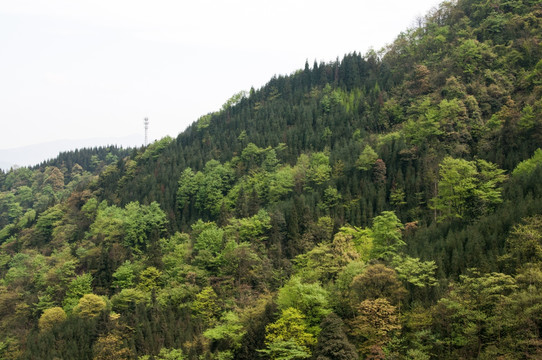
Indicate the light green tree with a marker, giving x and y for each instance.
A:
(213, 185)
(526, 167)
(288, 338)
(467, 188)
(109, 223)
(124, 276)
(367, 158)
(127, 299)
(377, 281)
(325, 261)
(413, 270)
(470, 314)
(422, 127)
(206, 307)
(524, 244)
(77, 288)
(312, 300)
(166, 354)
(51, 317)
(149, 279)
(319, 170)
(249, 229)
(208, 244)
(362, 238)
(387, 236)
(142, 222)
(280, 183)
(229, 331)
(331, 197)
(89, 306)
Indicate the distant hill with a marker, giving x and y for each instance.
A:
(34, 154)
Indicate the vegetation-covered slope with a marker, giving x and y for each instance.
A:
(386, 205)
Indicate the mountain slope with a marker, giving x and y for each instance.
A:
(399, 190)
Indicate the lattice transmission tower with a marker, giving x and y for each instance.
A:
(146, 131)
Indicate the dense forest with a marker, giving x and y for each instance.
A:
(385, 205)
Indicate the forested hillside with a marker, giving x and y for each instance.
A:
(386, 205)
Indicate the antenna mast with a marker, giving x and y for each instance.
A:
(146, 131)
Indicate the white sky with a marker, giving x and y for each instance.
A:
(75, 69)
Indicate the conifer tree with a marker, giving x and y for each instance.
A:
(332, 341)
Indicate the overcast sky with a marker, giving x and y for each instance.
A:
(76, 69)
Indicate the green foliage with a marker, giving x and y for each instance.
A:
(414, 271)
(367, 158)
(204, 121)
(332, 341)
(110, 346)
(422, 128)
(310, 299)
(167, 354)
(467, 188)
(10, 209)
(287, 338)
(234, 100)
(524, 245)
(319, 170)
(27, 219)
(205, 306)
(149, 279)
(177, 251)
(386, 234)
(124, 276)
(127, 299)
(77, 288)
(155, 149)
(469, 55)
(397, 197)
(286, 350)
(47, 221)
(90, 207)
(382, 241)
(208, 243)
(271, 192)
(229, 330)
(528, 118)
(51, 317)
(325, 261)
(250, 229)
(281, 183)
(187, 187)
(134, 226)
(471, 311)
(526, 167)
(457, 183)
(362, 240)
(89, 306)
(109, 223)
(142, 222)
(331, 197)
(213, 184)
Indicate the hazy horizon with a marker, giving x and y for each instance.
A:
(97, 69)
(31, 155)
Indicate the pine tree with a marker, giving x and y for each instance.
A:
(332, 341)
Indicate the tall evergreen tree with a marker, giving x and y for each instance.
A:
(332, 341)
